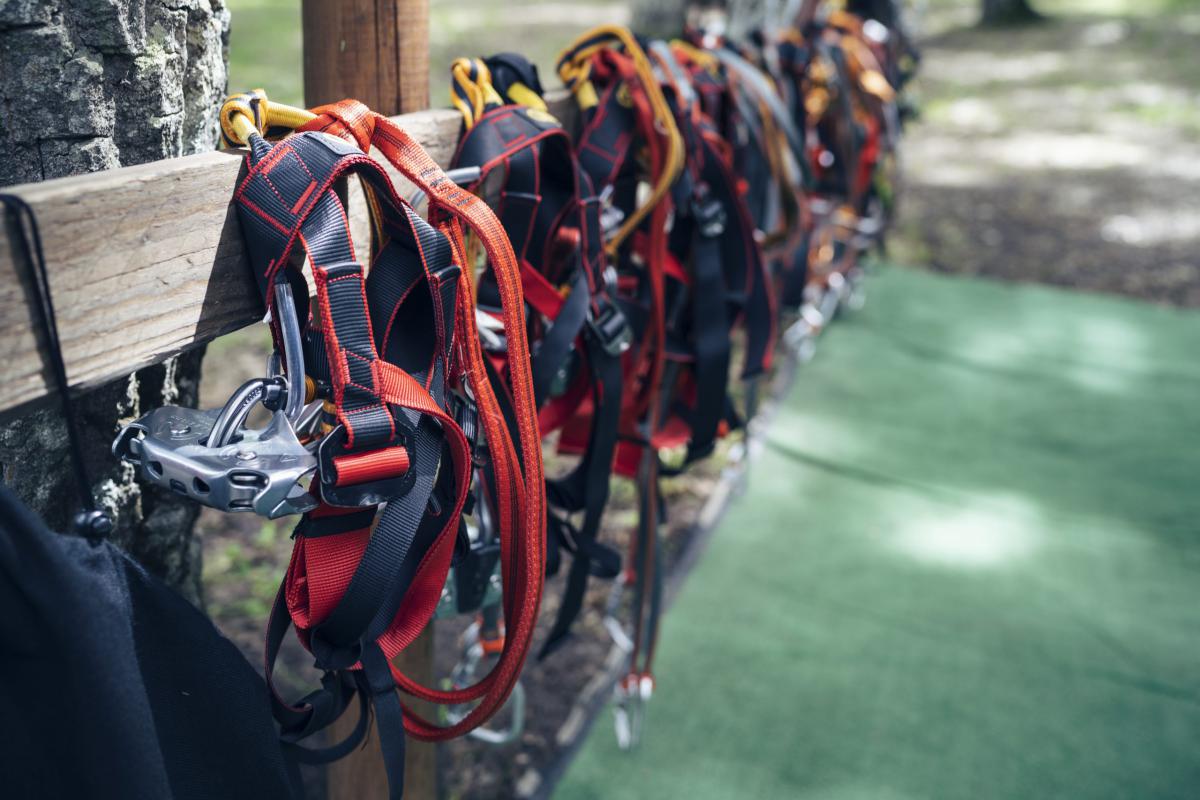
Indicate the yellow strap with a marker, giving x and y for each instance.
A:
(574, 67)
(251, 112)
(694, 54)
(865, 68)
(522, 94)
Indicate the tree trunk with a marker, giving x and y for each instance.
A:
(89, 85)
(1006, 12)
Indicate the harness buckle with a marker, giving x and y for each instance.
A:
(610, 328)
(209, 457)
(212, 458)
(370, 492)
(611, 216)
(708, 212)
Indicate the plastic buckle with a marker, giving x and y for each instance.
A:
(610, 328)
(466, 415)
(368, 493)
(708, 212)
(476, 579)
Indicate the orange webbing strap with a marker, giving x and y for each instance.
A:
(520, 498)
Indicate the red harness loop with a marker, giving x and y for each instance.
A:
(348, 119)
(520, 499)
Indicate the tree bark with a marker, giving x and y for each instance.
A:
(88, 85)
(1006, 12)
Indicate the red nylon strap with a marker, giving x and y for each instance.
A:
(520, 499)
(540, 293)
(371, 466)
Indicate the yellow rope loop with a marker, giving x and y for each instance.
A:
(248, 113)
(522, 95)
(242, 115)
(471, 89)
(701, 58)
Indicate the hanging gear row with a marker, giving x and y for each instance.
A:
(589, 284)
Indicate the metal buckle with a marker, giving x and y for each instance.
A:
(212, 458)
(249, 470)
(610, 328)
(708, 212)
(630, 698)
(463, 675)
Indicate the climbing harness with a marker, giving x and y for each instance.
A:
(408, 419)
(631, 148)
(588, 281)
(689, 270)
(525, 167)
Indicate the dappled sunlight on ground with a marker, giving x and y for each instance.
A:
(992, 532)
(964, 566)
(1066, 152)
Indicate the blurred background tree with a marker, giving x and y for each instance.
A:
(1007, 12)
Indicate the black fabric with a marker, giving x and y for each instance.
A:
(586, 489)
(555, 346)
(711, 345)
(115, 686)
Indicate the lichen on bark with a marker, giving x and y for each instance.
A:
(87, 85)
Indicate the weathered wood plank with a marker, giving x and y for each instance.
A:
(146, 262)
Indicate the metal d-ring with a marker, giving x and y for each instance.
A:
(293, 347)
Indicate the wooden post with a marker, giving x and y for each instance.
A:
(360, 775)
(376, 51)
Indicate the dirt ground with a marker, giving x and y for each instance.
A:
(1066, 152)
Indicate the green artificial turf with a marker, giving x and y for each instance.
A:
(966, 565)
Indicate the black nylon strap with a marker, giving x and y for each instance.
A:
(314, 527)
(587, 489)
(710, 329)
(555, 345)
(316, 711)
(377, 680)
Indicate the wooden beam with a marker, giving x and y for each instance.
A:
(376, 51)
(144, 262)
